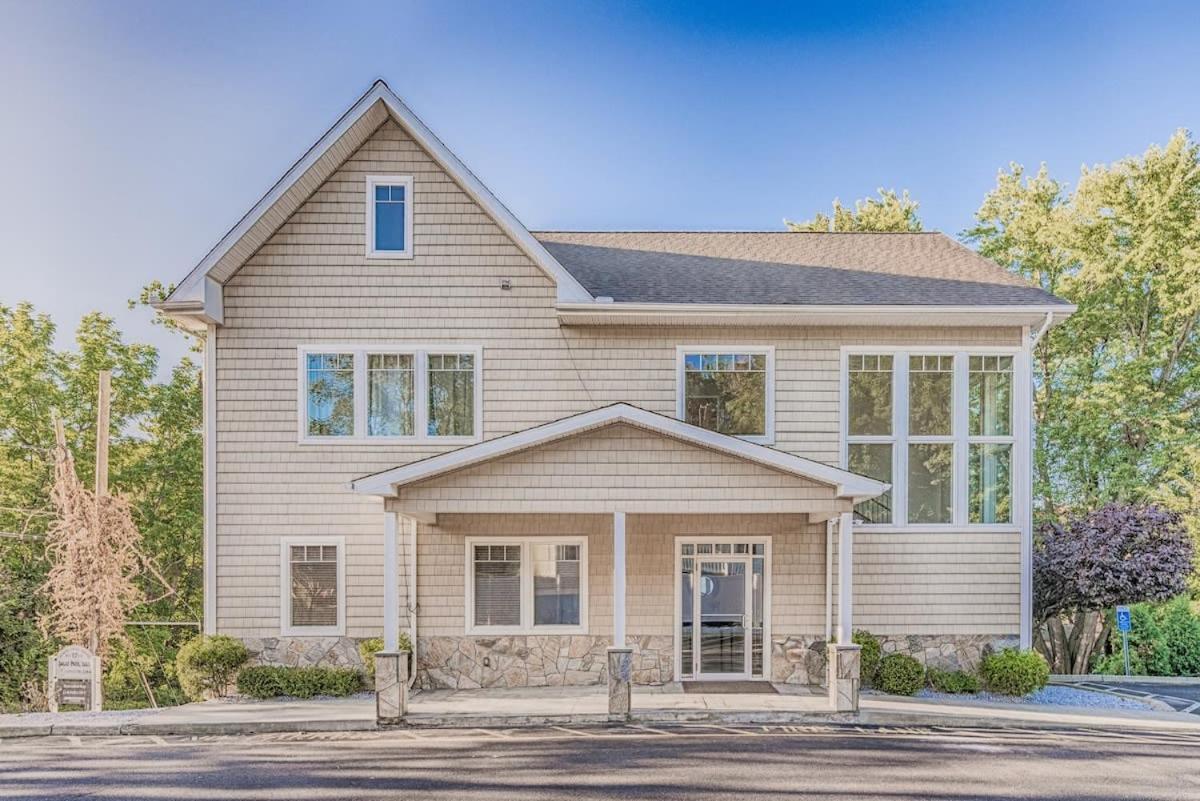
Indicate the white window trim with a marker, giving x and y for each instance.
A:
(390, 180)
(285, 588)
(420, 353)
(900, 439)
(526, 626)
(682, 351)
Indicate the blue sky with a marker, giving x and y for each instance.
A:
(136, 134)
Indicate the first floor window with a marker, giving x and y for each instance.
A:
(527, 585)
(727, 391)
(376, 393)
(312, 577)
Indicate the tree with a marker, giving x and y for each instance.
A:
(1115, 555)
(155, 462)
(1118, 385)
(890, 212)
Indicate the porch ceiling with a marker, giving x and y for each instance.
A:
(619, 458)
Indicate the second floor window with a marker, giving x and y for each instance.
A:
(388, 394)
(389, 216)
(938, 428)
(728, 390)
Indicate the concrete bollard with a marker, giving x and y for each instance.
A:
(845, 668)
(620, 679)
(391, 687)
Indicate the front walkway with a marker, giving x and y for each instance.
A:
(589, 704)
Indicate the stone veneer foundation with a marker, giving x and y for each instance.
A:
(471, 662)
(576, 659)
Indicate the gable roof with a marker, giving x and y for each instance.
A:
(305, 176)
(788, 268)
(845, 483)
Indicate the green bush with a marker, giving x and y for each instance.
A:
(368, 648)
(952, 681)
(900, 674)
(206, 665)
(1164, 641)
(270, 681)
(869, 656)
(1013, 672)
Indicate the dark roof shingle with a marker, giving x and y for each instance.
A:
(787, 268)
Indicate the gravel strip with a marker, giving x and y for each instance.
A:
(1047, 696)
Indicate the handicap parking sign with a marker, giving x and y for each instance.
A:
(1124, 621)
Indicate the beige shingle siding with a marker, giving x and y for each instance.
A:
(618, 468)
(311, 283)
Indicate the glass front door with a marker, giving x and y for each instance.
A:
(722, 589)
(722, 601)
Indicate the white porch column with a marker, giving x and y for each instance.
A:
(845, 578)
(618, 579)
(391, 585)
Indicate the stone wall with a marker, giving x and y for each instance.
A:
(799, 659)
(305, 651)
(948, 651)
(470, 662)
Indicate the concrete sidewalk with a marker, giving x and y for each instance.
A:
(576, 707)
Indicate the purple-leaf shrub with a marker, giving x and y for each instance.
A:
(1114, 555)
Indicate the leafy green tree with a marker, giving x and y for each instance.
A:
(155, 460)
(1118, 385)
(888, 212)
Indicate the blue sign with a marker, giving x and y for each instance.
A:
(1124, 622)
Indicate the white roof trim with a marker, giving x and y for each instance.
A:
(569, 289)
(846, 484)
(618, 313)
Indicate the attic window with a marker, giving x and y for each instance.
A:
(389, 216)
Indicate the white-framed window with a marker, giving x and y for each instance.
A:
(381, 394)
(729, 389)
(526, 585)
(312, 586)
(938, 426)
(389, 216)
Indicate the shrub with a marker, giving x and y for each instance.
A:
(869, 656)
(1013, 672)
(1164, 641)
(952, 681)
(206, 666)
(900, 674)
(368, 648)
(270, 681)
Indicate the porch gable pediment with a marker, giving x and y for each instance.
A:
(619, 456)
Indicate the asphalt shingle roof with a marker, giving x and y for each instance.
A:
(787, 268)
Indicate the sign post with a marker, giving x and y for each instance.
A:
(1124, 624)
(74, 678)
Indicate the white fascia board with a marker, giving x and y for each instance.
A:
(620, 313)
(846, 484)
(569, 289)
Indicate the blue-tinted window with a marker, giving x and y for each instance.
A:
(389, 218)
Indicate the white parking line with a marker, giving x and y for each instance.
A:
(576, 732)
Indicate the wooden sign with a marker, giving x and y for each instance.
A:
(74, 678)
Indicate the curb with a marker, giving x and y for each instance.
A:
(888, 718)
(186, 729)
(1107, 679)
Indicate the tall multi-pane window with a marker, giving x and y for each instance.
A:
(451, 395)
(944, 441)
(533, 584)
(727, 391)
(931, 439)
(389, 394)
(990, 438)
(870, 432)
(330, 394)
(369, 393)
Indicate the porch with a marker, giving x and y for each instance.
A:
(662, 552)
